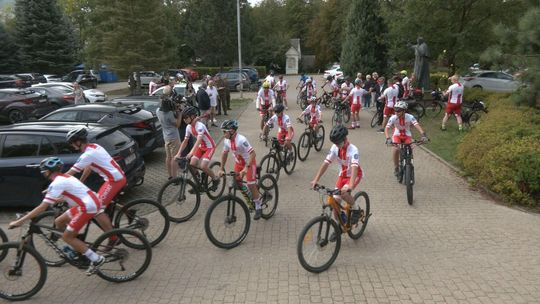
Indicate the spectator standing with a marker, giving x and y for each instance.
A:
(405, 82)
(360, 78)
(152, 86)
(369, 85)
(79, 94)
(190, 94)
(132, 84)
(169, 125)
(203, 100)
(212, 92)
(222, 100)
(455, 98)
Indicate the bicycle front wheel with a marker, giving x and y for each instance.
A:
(123, 262)
(304, 145)
(346, 115)
(40, 241)
(289, 161)
(319, 138)
(362, 199)
(319, 244)
(181, 199)
(270, 165)
(24, 271)
(336, 119)
(145, 216)
(215, 193)
(408, 174)
(3, 239)
(269, 195)
(375, 120)
(227, 222)
(473, 119)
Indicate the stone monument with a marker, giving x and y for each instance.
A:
(421, 63)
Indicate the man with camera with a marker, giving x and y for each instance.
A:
(170, 121)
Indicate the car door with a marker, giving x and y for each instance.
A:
(21, 182)
(63, 115)
(507, 83)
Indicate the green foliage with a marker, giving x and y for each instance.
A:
(439, 80)
(503, 151)
(362, 51)
(8, 52)
(45, 38)
(298, 17)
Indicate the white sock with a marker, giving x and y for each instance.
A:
(258, 204)
(355, 206)
(92, 256)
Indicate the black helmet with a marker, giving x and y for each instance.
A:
(53, 164)
(189, 111)
(77, 134)
(329, 77)
(338, 134)
(279, 108)
(229, 125)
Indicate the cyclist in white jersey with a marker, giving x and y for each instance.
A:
(314, 112)
(84, 205)
(455, 99)
(245, 163)
(281, 88)
(266, 100)
(284, 125)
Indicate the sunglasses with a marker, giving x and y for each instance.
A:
(400, 110)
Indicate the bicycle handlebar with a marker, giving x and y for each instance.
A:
(329, 191)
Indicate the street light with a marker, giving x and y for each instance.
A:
(239, 49)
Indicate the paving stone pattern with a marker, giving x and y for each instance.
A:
(452, 246)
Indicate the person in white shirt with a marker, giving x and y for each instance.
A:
(266, 100)
(281, 87)
(356, 95)
(213, 94)
(455, 98)
(406, 83)
(270, 78)
(390, 97)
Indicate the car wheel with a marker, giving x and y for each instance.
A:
(237, 87)
(16, 116)
(478, 87)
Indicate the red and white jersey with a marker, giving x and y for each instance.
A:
(100, 161)
(357, 94)
(405, 82)
(74, 192)
(283, 122)
(347, 157)
(265, 98)
(346, 89)
(310, 90)
(281, 85)
(270, 80)
(314, 112)
(201, 130)
(240, 147)
(391, 95)
(402, 126)
(455, 93)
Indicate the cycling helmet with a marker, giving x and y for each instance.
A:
(308, 80)
(404, 72)
(266, 85)
(228, 125)
(279, 108)
(338, 134)
(401, 105)
(329, 78)
(53, 164)
(76, 134)
(357, 82)
(189, 111)
(313, 98)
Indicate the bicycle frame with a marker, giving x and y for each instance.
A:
(335, 207)
(235, 184)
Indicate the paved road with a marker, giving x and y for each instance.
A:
(453, 245)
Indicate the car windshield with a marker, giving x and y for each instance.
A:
(114, 140)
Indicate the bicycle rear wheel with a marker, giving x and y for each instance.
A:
(375, 120)
(304, 145)
(319, 138)
(433, 110)
(269, 195)
(3, 239)
(227, 222)
(123, 262)
(289, 161)
(318, 244)
(24, 272)
(181, 199)
(356, 231)
(270, 165)
(408, 175)
(145, 216)
(474, 117)
(40, 241)
(346, 115)
(336, 119)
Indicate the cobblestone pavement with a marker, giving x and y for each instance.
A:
(452, 246)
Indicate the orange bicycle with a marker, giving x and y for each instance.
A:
(320, 240)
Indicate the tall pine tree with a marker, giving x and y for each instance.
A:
(44, 36)
(364, 47)
(8, 52)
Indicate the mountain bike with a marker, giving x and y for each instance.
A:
(3, 239)
(415, 108)
(264, 136)
(279, 157)
(471, 112)
(311, 137)
(326, 99)
(24, 271)
(227, 220)
(377, 118)
(342, 112)
(279, 97)
(320, 240)
(301, 100)
(181, 195)
(145, 216)
(437, 104)
(406, 167)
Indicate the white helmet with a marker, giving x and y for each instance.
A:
(401, 105)
(308, 80)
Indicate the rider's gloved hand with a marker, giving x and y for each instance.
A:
(424, 138)
(388, 141)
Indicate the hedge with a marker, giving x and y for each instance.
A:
(214, 70)
(503, 151)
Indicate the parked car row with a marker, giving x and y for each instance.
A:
(18, 105)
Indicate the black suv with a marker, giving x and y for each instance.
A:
(84, 78)
(24, 145)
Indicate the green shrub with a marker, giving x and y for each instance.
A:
(439, 80)
(503, 151)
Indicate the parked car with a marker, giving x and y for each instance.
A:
(140, 124)
(490, 81)
(35, 77)
(58, 96)
(234, 80)
(148, 103)
(53, 77)
(194, 75)
(24, 145)
(180, 89)
(84, 78)
(251, 72)
(91, 95)
(12, 81)
(146, 77)
(334, 71)
(174, 72)
(18, 105)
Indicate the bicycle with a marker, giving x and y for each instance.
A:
(326, 99)
(437, 104)
(176, 195)
(471, 112)
(145, 216)
(279, 97)
(311, 137)
(406, 167)
(415, 108)
(323, 231)
(279, 157)
(342, 112)
(24, 271)
(377, 118)
(229, 215)
(3, 239)
(264, 136)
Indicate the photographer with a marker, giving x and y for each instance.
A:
(170, 122)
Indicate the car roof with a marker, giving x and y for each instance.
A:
(97, 107)
(11, 90)
(57, 127)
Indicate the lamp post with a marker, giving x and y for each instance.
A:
(239, 49)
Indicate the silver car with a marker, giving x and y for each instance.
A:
(492, 81)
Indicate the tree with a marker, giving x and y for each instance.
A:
(364, 47)
(44, 37)
(8, 52)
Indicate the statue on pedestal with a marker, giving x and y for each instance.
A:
(421, 63)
